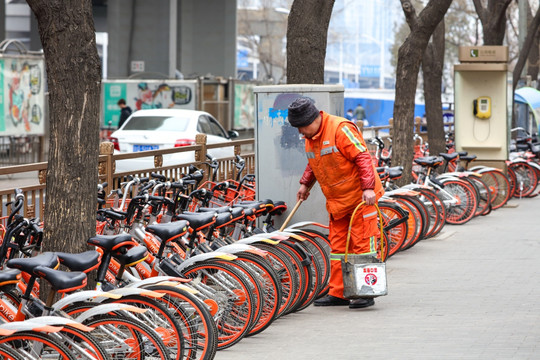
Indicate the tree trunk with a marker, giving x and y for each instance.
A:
(307, 31)
(533, 60)
(409, 57)
(67, 34)
(532, 29)
(493, 19)
(432, 69)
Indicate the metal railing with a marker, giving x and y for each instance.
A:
(16, 150)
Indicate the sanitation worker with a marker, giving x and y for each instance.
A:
(339, 160)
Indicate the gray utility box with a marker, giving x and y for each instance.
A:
(279, 149)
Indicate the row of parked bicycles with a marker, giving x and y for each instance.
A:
(181, 271)
(448, 190)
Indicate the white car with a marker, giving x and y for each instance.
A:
(167, 128)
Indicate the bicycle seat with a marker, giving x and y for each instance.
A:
(111, 242)
(223, 219)
(395, 172)
(61, 281)
(462, 153)
(133, 256)
(279, 208)
(535, 148)
(218, 210)
(468, 157)
(48, 259)
(198, 221)
(168, 231)
(85, 262)
(257, 206)
(429, 161)
(383, 174)
(9, 276)
(449, 157)
(237, 212)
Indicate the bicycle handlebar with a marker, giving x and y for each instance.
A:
(19, 201)
(160, 177)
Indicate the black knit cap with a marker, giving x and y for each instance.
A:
(302, 112)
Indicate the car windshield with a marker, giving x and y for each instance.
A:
(157, 123)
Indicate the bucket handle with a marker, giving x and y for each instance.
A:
(380, 228)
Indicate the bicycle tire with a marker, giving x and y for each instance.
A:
(426, 220)
(78, 341)
(255, 287)
(484, 195)
(321, 266)
(236, 308)
(536, 191)
(419, 215)
(397, 234)
(311, 268)
(414, 223)
(526, 179)
(271, 289)
(475, 190)
(499, 186)
(19, 341)
(142, 340)
(198, 326)
(465, 208)
(7, 353)
(288, 278)
(160, 320)
(441, 220)
(512, 181)
(432, 211)
(322, 243)
(304, 269)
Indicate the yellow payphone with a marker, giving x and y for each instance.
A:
(482, 107)
(481, 99)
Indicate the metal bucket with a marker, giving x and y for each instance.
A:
(364, 276)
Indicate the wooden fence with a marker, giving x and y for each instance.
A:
(35, 192)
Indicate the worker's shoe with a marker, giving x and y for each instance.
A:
(361, 303)
(330, 300)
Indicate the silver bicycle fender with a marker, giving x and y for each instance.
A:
(81, 296)
(26, 325)
(107, 308)
(126, 291)
(202, 257)
(301, 224)
(154, 280)
(165, 281)
(534, 165)
(58, 321)
(236, 248)
(288, 235)
(253, 240)
(481, 168)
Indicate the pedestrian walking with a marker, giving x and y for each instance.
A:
(339, 160)
(359, 113)
(125, 111)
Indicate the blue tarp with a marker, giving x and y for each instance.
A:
(528, 95)
(531, 97)
(378, 112)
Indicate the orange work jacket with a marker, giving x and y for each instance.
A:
(338, 177)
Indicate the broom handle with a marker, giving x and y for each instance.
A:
(294, 210)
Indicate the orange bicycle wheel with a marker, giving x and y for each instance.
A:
(395, 224)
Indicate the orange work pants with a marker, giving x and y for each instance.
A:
(364, 232)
